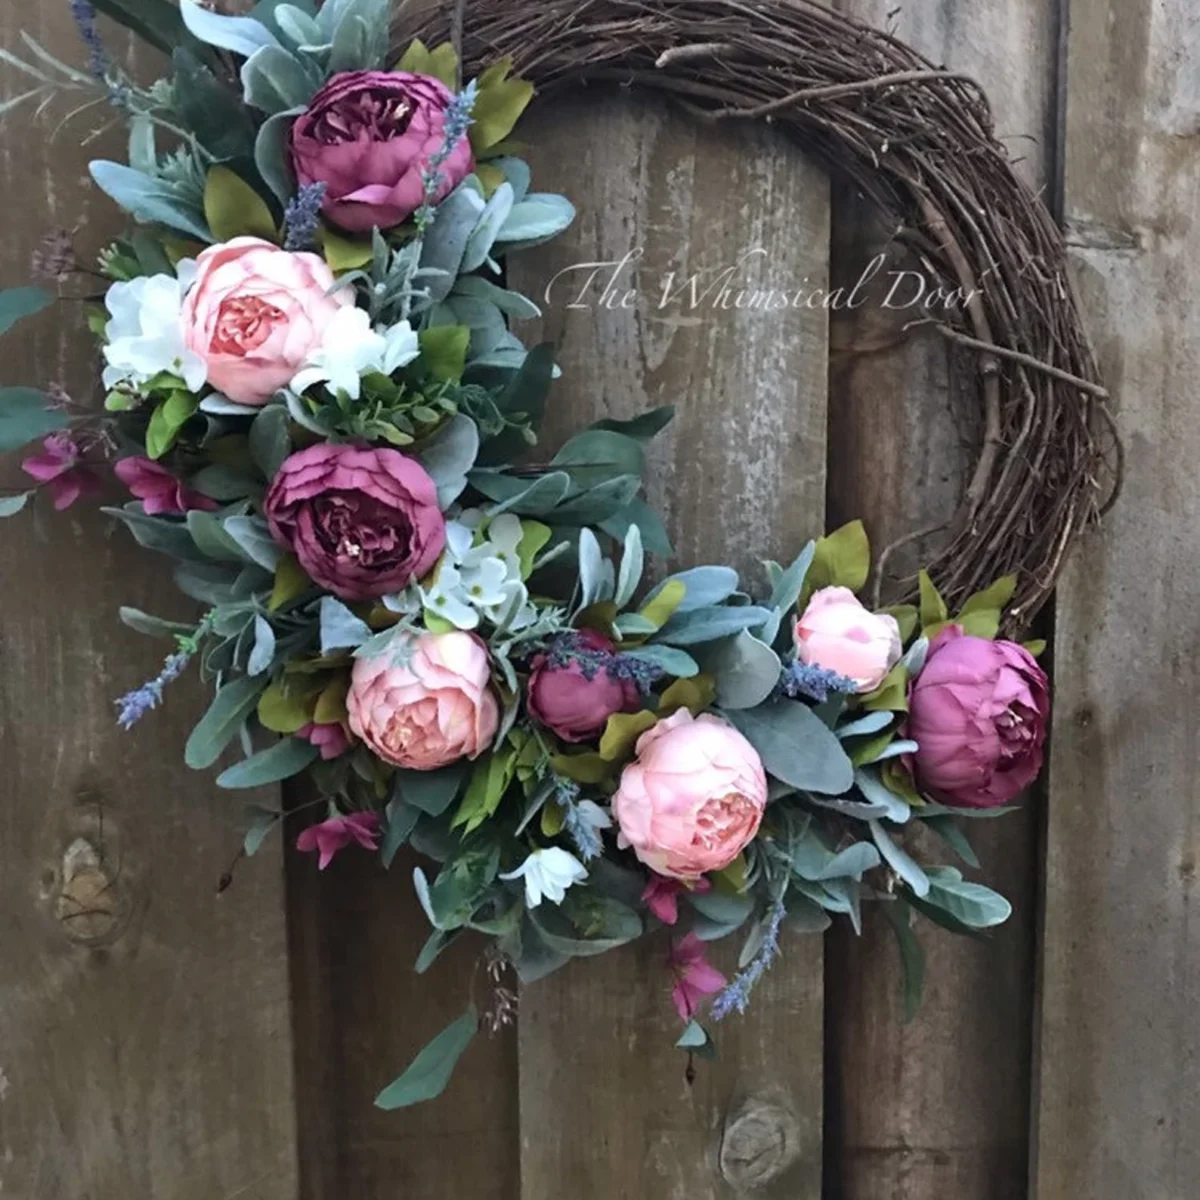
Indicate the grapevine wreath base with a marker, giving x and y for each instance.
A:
(317, 402)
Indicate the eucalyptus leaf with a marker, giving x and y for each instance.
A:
(288, 757)
(428, 1074)
(18, 303)
(271, 155)
(158, 533)
(24, 417)
(746, 671)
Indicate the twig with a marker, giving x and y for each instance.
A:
(1025, 360)
(701, 50)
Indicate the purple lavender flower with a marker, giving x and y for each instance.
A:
(813, 682)
(302, 216)
(736, 997)
(99, 63)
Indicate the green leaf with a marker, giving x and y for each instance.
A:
(344, 253)
(286, 758)
(401, 821)
(234, 209)
(498, 106)
(441, 62)
(892, 694)
(841, 559)
(431, 792)
(270, 440)
(156, 533)
(291, 582)
(912, 955)
(586, 924)
(219, 726)
(211, 110)
(947, 829)
(262, 821)
(907, 617)
(1037, 647)
(18, 303)
(622, 732)
(488, 784)
(534, 538)
(796, 746)
(156, 22)
(444, 351)
(167, 420)
(11, 505)
(992, 599)
(287, 705)
(900, 862)
(933, 607)
(596, 456)
(663, 602)
(972, 904)
(149, 199)
(693, 1037)
(24, 417)
(429, 1073)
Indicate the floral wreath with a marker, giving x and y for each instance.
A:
(314, 397)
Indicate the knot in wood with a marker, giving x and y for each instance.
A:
(760, 1141)
(88, 905)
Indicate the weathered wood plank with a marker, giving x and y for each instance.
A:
(144, 1030)
(605, 1108)
(1120, 1034)
(939, 1106)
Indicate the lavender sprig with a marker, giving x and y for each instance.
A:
(813, 682)
(302, 215)
(132, 707)
(571, 649)
(736, 997)
(455, 125)
(84, 13)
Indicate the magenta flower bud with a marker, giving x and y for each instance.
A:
(369, 137)
(978, 711)
(575, 702)
(362, 522)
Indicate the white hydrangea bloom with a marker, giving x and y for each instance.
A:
(145, 330)
(479, 578)
(548, 874)
(351, 348)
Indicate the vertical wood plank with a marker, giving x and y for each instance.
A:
(605, 1108)
(939, 1106)
(1120, 1035)
(144, 1031)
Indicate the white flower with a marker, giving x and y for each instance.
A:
(145, 332)
(547, 875)
(350, 348)
(447, 598)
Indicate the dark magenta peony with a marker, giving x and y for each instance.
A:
(979, 711)
(575, 702)
(369, 136)
(362, 522)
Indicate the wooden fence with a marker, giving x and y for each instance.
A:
(159, 1041)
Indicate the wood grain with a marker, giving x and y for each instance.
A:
(605, 1107)
(1120, 1036)
(144, 1033)
(939, 1106)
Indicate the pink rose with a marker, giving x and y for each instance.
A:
(693, 799)
(369, 137)
(431, 711)
(574, 701)
(838, 634)
(254, 314)
(160, 492)
(362, 522)
(979, 711)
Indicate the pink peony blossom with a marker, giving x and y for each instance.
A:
(838, 634)
(160, 492)
(694, 797)
(254, 314)
(978, 711)
(369, 137)
(362, 522)
(572, 705)
(433, 708)
(337, 833)
(59, 469)
(695, 977)
(331, 739)
(661, 896)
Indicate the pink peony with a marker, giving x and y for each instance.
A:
(838, 634)
(362, 522)
(695, 977)
(432, 710)
(369, 137)
(573, 702)
(693, 799)
(254, 314)
(160, 492)
(337, 833)
(330, 739)
(978, 711)
(59, 469)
